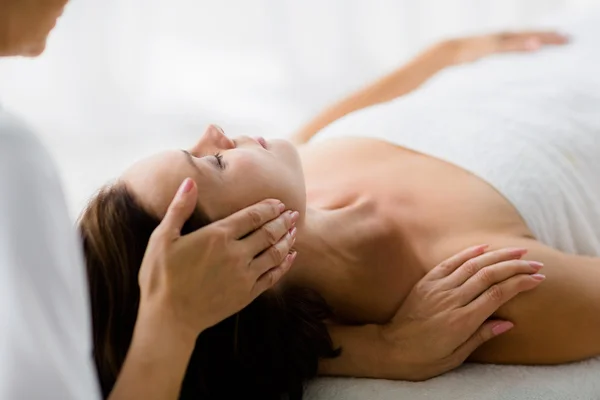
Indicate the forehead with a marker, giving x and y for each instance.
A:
(154, 180)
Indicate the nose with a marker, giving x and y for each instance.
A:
(214, 139)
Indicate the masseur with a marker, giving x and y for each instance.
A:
(45, 335)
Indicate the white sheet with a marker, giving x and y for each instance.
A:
(577, 381)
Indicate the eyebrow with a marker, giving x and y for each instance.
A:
(190, 159)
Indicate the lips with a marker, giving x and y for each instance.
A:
(262, 141)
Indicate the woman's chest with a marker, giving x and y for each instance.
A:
(423, 211)
(418, 193)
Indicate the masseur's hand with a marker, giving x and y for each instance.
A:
(473, 48)
(197, 280)
(445, 317)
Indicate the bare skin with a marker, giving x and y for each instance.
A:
(413, 224)
(421, 218)
(375, 218)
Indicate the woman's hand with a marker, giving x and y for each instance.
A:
(196, 281)
(473, 48)
(445, 317)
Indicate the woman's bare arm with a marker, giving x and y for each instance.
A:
(395, 84)
(439, 324)
(409, 77)
(557, 323)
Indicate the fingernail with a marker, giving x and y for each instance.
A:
(281, 207)
(295, 216)
(293, 232)
(517, 251)
(532, 44)
(292, 256)
(502, 327)
(219, 128)
(538, 277)
(481, 247)
(186, 186)
(536, 265)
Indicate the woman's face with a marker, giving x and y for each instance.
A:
(25, 25)
(231, 174)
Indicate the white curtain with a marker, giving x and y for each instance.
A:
(124, 77)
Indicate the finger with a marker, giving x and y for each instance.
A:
(545, 37)
(528, 41)
(251, 218)
(497, 295)
(520, 44)
(485, 332)
(269, 234)
(274, 255)
(553, 38)
(448, 266)
(274, 275)
(475, 264)
(180, 210)
(497, 273)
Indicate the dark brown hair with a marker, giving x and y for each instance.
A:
(268, 350)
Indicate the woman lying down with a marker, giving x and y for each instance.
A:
(504, 151)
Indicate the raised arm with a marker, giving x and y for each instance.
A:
(409, 77)
(442, 321)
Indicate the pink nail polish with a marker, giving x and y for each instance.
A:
(536, 265)
(533, 44)
(502, 327)
(281, 207)
(538, 277)
(292, 256)
(293, 232)
(186, 186)
(480, 247)
(295, 216)
(517, 251)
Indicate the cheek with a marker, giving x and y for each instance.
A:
(248, 181)
(254, 181)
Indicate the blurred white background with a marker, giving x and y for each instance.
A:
(123, 78)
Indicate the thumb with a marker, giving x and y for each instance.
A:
(180, 209)
(487, 331)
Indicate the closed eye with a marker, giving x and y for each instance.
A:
(220, 161)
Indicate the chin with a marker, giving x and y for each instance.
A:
(286, 150)
(294, 185)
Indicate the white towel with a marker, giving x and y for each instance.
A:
(529, 125)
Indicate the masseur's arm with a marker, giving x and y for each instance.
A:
(442, 321)
(409, 77)
(185, 290)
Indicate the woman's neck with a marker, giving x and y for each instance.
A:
(327, 238)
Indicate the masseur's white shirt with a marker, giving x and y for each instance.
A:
(45, 323)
